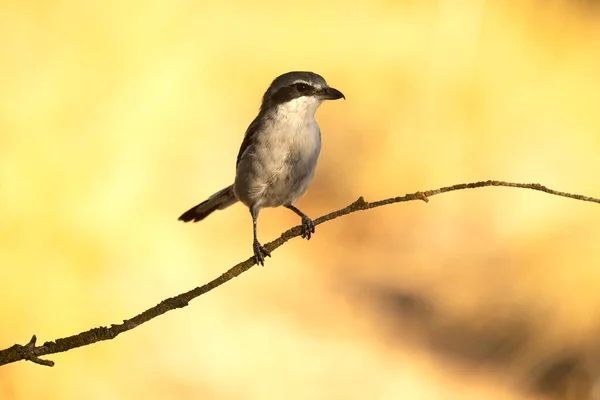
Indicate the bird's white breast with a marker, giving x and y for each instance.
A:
(291, 143)
(293, 132)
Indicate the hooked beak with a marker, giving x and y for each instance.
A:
(330, 93)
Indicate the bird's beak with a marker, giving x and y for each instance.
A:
(330, 93)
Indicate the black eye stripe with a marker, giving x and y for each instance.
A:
(286, 93)
(302, 87)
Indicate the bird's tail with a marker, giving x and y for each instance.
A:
(218, 201)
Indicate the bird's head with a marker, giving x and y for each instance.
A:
(298, 91)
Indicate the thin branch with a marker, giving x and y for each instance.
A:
(32, 352)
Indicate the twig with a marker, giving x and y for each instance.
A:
(32, 352)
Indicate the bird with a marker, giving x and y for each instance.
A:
(278, 156)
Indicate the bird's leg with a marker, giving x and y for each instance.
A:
(308, 226)
(260, 251)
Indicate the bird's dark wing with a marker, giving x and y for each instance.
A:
(250, 137)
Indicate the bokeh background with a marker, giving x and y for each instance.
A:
(115, 117)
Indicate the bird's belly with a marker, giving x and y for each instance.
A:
(288, 185)
(276, 179)
(279, 168)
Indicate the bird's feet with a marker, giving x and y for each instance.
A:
(308, 227)
(260, 252)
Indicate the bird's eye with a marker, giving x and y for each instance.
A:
(302, 87)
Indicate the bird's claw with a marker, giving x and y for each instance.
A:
(308, 227)
(260, 252)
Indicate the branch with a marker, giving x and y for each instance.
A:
(32, 352)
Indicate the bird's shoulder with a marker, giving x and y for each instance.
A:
(250, 136)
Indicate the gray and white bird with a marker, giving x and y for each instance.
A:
(278, 156)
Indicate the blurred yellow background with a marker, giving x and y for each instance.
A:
(115, 117)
